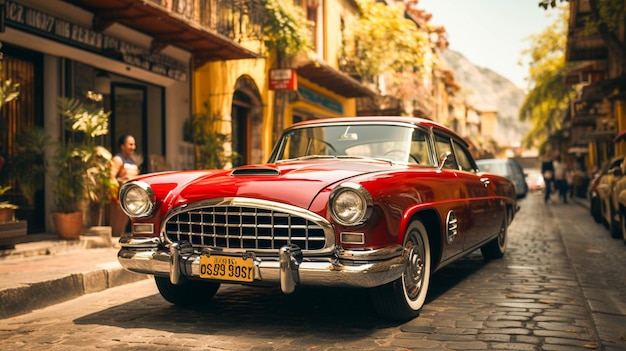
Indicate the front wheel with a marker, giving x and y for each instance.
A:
(496, 248)
(403, 298)
(189, 293)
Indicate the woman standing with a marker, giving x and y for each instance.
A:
(123, 170)
(560, 181)
(547, 171)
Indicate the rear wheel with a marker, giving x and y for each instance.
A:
(189, 293)
(497, 247)
(403, 298)
(594, 208)
(614, 225)
(622, 222)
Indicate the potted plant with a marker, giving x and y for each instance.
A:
(68, 189)
(7, 209)
(82, 167)
(11, 230)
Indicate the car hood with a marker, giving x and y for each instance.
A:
(294, 183)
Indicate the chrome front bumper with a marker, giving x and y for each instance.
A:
(344, 268)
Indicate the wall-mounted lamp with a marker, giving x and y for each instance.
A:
(103, 83)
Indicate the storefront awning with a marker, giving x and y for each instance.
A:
(334, 80)
(166, 27)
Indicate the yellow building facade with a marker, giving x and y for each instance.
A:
(238, 91)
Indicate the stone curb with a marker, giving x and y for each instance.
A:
(28, 297)
(17, 301)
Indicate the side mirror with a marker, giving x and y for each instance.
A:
(443, 158)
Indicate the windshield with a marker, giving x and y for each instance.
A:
(395, 143)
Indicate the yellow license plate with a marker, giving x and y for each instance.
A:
(227, 268)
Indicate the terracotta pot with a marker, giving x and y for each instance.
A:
(6, 215)
(68, 225)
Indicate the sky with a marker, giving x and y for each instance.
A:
(491, 33)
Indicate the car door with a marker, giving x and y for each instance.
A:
(482, 206)
(471, 209)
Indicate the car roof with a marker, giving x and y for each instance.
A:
(423, 122)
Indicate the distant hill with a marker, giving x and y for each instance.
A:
(487, 90)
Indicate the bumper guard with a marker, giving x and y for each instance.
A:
(343, 268)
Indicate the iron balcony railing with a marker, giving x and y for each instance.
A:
(239, 20)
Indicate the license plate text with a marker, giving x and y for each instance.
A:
(227, 268)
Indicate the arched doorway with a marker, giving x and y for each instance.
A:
(247, 121)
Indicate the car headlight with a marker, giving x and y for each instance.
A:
(350, 204)
(137, 199)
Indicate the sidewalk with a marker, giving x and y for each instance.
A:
(46, 271)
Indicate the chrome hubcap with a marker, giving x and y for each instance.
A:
(414, 273)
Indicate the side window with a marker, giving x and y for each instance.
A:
(420, 150)
(463, 158)
(444, 144)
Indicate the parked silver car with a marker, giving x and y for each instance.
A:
(508, 168)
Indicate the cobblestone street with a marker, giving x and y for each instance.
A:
(559, 287)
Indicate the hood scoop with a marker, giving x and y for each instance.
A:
(255, 171)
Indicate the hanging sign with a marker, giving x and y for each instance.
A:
(283, 79)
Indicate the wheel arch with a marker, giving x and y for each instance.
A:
(432, 222)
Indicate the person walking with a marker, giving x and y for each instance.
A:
(547, 172)
(123, 170)
(560, 181)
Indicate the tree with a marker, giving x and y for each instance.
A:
(286, 29)
(548, 96)
(383, 40)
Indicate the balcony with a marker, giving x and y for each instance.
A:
(212, 30)
(239, 20)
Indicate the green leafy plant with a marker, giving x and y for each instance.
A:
(205, 131)
(69, 185)
(285, 28)
(548, 96)
(83, 168)
(6, 204)
(28, 164)
(88, 119)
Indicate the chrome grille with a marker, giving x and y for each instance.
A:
(246, 227)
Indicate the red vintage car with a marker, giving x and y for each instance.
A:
(369, 202)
